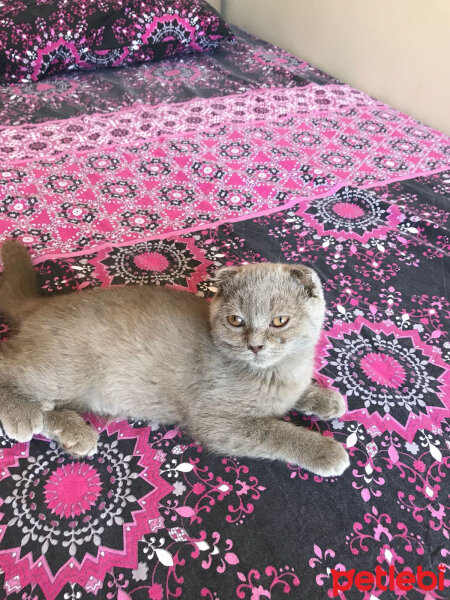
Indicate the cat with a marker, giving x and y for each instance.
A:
(227, 371)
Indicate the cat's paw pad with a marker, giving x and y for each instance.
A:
(80, 441)
(325, 403)
(329, 458)
(22, 424)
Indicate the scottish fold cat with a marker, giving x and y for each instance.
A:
(227, 371)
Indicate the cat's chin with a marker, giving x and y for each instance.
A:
(260, 361)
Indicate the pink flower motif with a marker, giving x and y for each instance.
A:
(260, 592)
(437, 514)
(431, 493)
(226, 487)
(383, 369)
(381, 530)
(72, 489)
(348, 210)
(395, 366)
(388, 555)
(419, 466)
(244, 487)
(374, 431)
(156, 592)
(151, 261)
(198, 488)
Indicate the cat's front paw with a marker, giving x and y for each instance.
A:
(79, 442)
(23, 421)
(327, 458)
(73, 434)
(325, 403)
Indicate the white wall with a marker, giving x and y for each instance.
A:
(395, 50)
(215, 3)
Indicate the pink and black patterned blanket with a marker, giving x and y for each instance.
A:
(159, 174)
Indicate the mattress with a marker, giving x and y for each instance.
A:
(159, 174)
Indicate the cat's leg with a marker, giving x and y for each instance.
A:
(71, 431)
(325, 403)
(268, 437)
(21, 418)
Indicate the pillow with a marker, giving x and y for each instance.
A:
(42, 37)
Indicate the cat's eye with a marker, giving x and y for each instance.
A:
(279, 321)
(235, 320)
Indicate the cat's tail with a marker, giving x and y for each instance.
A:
(18, 285)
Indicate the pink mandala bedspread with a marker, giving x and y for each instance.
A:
(159, 174)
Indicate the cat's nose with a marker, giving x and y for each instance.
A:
(255, 349)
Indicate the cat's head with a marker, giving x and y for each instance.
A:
(263, 312)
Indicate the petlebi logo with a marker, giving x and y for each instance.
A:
(382, 580)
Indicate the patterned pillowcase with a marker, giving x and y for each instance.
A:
(42, 37)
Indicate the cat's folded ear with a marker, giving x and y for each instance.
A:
(224, 276)
(307, 277)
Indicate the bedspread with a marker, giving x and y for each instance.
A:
(160, 174)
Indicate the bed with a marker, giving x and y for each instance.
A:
(158, 174)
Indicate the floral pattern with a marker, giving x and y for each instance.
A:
(88, 510)
(128, 193)
(200, 532)
(385, 374)
(353, 213)
(241, 65)
(158, 187)
(100, 34)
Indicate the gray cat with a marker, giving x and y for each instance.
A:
(227, 371)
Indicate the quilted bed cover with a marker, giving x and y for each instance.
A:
(159, 174)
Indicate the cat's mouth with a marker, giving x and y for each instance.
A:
(261, 359)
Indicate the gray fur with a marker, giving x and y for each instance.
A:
(160, 354)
